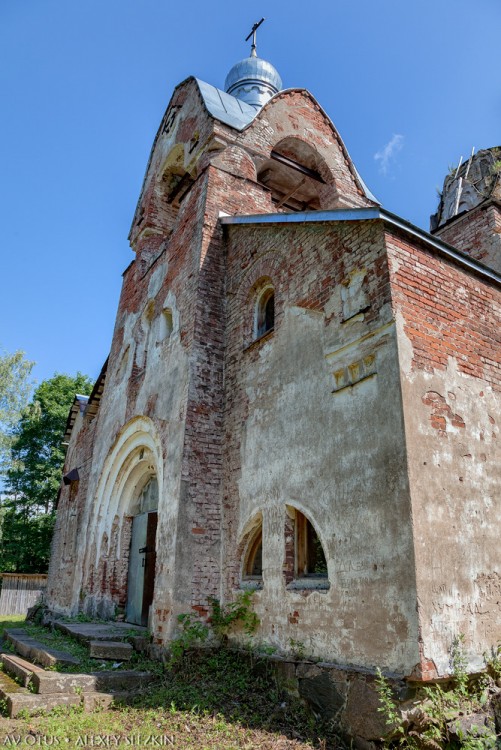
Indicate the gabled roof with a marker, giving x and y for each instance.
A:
(238, 115)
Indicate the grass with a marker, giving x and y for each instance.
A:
(212, 700)
(11, 621)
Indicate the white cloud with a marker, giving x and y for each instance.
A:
(386, 154)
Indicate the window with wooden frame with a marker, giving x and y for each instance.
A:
(264, 318)
(253, 562)
(310, 561)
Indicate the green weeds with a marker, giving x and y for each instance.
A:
(215, 699)
(442, 718)
(239, 613)
(193, 631)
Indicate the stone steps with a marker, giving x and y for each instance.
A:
(52, 689)
(27, 686)
(107, 640)
(117, 650)
(19, 699)
(37, 652)
(53, 682)
(20, 669)
(100, 631)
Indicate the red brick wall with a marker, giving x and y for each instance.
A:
(294, 113)
(450, 360)
(203, 457)
(448, 312)
(477, 233)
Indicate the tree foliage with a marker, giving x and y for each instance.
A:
(34, 475)
(15, 390)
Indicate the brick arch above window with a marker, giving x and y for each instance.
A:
(263, 275)
(268, 265)
(264, 311)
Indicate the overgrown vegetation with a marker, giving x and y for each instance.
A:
(223, 619)
(213, 699)
(445, 717)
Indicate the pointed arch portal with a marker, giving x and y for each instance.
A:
(129, 490)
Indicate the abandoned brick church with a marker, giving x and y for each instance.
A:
(302, 396)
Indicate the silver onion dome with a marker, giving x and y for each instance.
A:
(253, 80)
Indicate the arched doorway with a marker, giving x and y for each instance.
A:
(113, 573)
(142, 555)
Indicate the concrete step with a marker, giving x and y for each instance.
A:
(116, 650)
(19, 699)
(100, 631)
(109, 681)
(45, 683)
(98, 689)
(37, 652)
(20, 669)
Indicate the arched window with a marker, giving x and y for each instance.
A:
(265, 312)
(310, 559)
(253, 562)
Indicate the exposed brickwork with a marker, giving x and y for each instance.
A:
(295, 113)
(441, 412)
(448, 312)
(477, 233)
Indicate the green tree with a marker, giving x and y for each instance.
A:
(34, 475)
(15, 390)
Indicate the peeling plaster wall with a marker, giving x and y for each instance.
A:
(449, 324)
(296, 435)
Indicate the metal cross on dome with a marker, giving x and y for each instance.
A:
(253, 35)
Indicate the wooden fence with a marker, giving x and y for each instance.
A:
(20, 591)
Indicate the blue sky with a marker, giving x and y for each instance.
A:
(410, 86)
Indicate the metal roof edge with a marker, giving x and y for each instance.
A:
(367, 214)
(449, 251)
(343, 214)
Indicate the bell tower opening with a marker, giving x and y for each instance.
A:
(295, 175)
